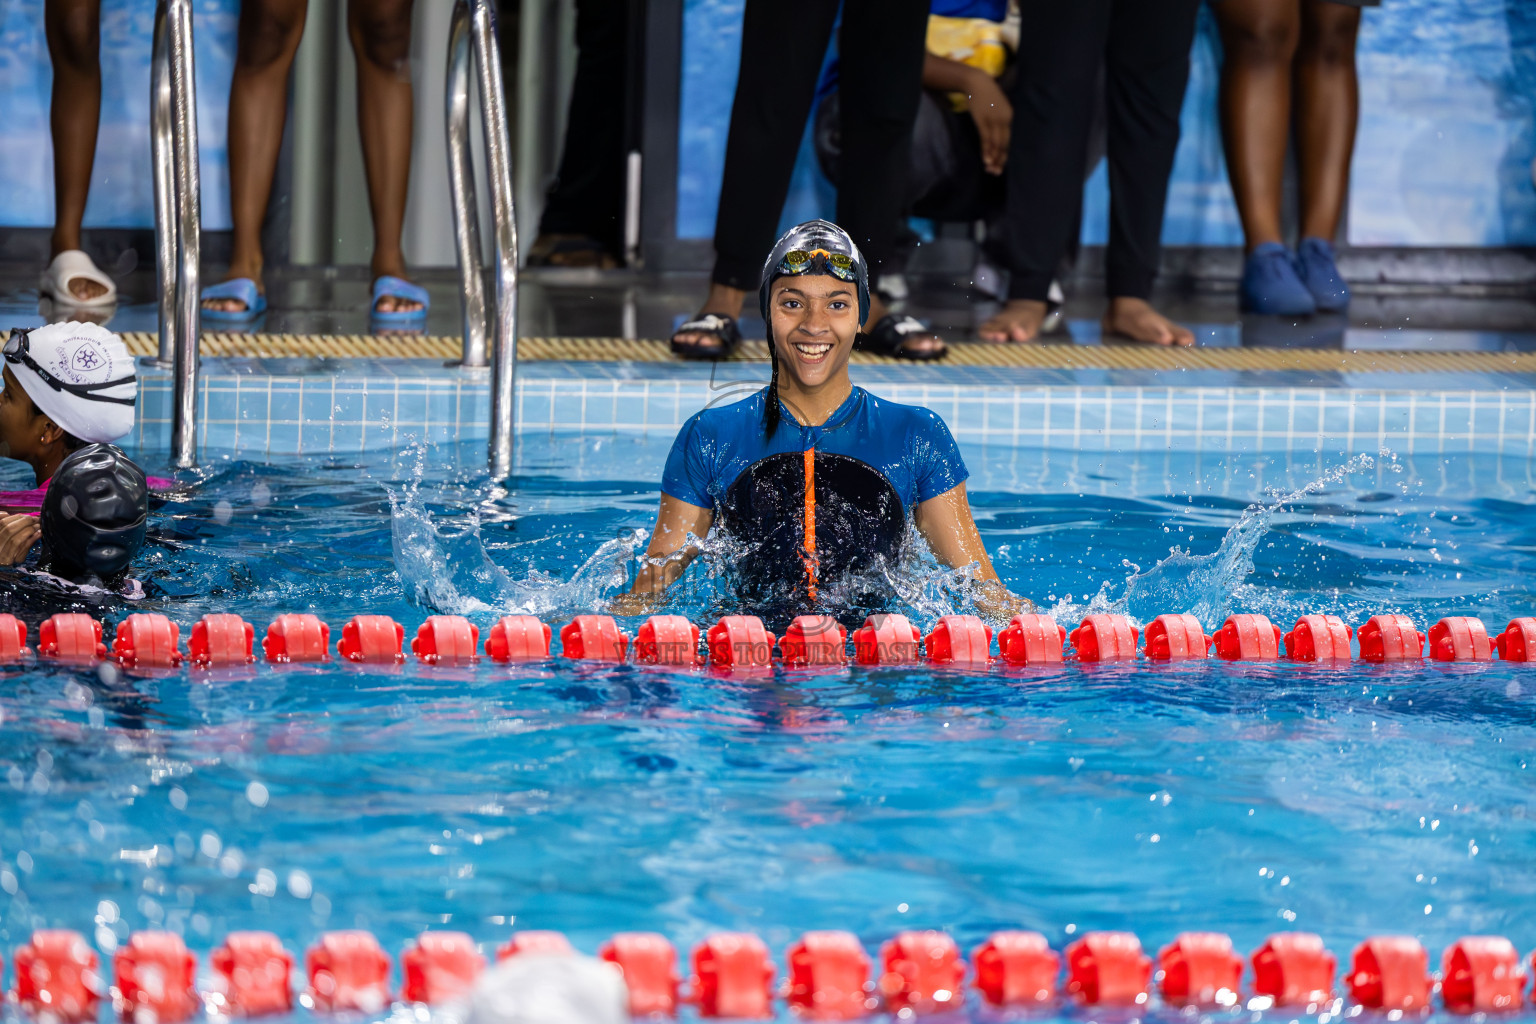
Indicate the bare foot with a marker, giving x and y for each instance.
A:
(1136, 320)
(1018, 321)
(84, 289)
(721, 301)
(914, 345)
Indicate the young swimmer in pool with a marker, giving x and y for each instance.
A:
(817, 476)
(66, 386)
(94, 518)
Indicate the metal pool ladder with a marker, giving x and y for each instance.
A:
(178, 214)
(474, 29)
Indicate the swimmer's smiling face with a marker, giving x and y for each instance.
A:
(815, 321)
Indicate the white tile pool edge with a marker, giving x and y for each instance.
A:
(272, 415)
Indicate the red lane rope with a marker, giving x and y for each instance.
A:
(148, 640)
(829, 975)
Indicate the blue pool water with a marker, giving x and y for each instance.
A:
(1244, 798)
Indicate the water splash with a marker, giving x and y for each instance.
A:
(444, 565)
(1206, 586)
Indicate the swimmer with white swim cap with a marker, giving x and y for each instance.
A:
(66, 386)
(819, 476)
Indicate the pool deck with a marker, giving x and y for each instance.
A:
(285, 394)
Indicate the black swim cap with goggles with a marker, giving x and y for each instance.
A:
(94, 516)
(817, 247)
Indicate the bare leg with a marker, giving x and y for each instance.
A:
(1328, 105)
(73, 28)
(381, 38)
(258, 106)
(1260, 38)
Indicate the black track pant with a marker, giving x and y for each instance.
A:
(588, 194)
(782, 46)
(1143, 46)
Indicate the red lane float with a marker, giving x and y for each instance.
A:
(250, 975)
(829, 976)
(1390, 972)
(535, 942)
(71, 636)
(348, 971)
(221, 640)
(446, 638)
(1294, 969)
(733, 977)
(1016, 969)
(959, 640)
(440, 966)
(1032, 639)
(593, 638)
(1390, 638)
(886, 640)
(1200, 969)
(649, 966)
(1108, 967)
(518, 638)
(372, 640)
(1247, 638)
(1104, 638)
(1518, 641)
(1481, 974)
(13, 640)
(297, 638)
(740, 641)
(1176, 638)
(667, 640)
(922, 972)
(813, 640)
(155, 976)
(1460, 638)
(1319, 638)
(147, 640)
(57, 974)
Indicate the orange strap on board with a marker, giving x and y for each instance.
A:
(810, 522)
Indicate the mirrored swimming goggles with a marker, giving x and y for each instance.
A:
(15, 351)
(800, 262)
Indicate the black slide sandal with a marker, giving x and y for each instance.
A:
(721, 326)
(890, 334)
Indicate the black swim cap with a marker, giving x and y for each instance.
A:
(809, 237)
(94, 515)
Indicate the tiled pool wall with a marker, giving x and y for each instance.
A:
(254, 414)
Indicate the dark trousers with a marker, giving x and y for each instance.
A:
(587, 197)
(1143, 47)
(880, 51)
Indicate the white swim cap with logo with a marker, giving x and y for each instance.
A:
(87, 384)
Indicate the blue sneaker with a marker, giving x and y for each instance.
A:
(1270, 284)
(1314, 258)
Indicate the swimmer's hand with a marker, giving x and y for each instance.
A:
(633, 603)
(17, 535)
(997, 603)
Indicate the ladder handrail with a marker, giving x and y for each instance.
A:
(178, 214)
(473, 36)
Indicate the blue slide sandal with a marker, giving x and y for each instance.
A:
(242, 289)
(398, 288)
